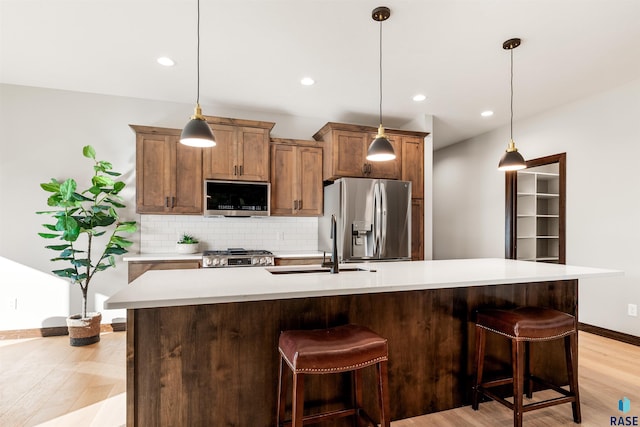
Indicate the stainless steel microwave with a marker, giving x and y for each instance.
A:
(237, 198)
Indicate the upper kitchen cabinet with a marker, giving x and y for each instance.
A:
(296, 178)
(168, 174)
(535, 206)
(413, 164)
(241, 151)
(345, 151)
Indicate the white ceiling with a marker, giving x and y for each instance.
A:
(254, 53)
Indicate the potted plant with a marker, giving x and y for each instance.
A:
(82, 219)
(187, 244)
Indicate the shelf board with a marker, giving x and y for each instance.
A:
(547, 195)
(536, 237)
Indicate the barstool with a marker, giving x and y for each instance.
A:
(523, 326)
(328, 351)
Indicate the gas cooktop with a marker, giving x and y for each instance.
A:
(236, 257)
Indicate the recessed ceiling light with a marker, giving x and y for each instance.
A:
(167, 62)
(307, 81)
(419, 97)
(487, 113)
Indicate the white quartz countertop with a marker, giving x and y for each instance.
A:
(168, 288)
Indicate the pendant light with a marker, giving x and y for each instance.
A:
(511, 159)
(380, 149)
(197, 132)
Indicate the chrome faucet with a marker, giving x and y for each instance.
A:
(333, 264)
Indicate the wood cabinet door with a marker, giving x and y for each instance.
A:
(391, 169)
(349, 153)
(283, 171)
(153, 171)
(413, 164)
(252, 154)
(187, 195)
(309, 182)
(417, 229)
(219, 161)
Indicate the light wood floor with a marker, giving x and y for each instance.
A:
(45, 382)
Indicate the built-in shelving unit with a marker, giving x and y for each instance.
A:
(538, 213)
(535, 211)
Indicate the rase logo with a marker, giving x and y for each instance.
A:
(624, 406)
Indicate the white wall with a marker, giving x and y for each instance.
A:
(600, 136)
(42, 133)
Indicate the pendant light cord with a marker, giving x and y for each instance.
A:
(511, 94)
(198, 55)
(380, 73)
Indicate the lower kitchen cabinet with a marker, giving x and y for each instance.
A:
(136, 268)
(296, 178)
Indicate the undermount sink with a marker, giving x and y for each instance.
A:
(300, 269)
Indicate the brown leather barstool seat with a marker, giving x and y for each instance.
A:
(523, 326)
(328, 351)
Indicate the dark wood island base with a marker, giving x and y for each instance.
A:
(217, 364)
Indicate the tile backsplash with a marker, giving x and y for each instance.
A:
(159, 233)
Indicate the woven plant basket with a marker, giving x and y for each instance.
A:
(84, 331)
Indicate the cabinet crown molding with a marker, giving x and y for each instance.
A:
(361, 128)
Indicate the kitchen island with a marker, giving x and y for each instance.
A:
(202, 344)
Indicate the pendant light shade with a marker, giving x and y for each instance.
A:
(197, 132)
(380, 149)
(511, 160)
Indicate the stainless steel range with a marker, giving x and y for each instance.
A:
(236, 257)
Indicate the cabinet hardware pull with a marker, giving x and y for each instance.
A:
(295, 205)
(364, 169)
(235, 169)
(166, 202)
(173, 202)
(300, 204)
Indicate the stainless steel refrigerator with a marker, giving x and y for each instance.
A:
(373, 219)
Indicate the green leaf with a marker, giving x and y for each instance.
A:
(84, 262)
(70, 228)
(61, 258)
(102, 181)
(127, 227)
(58, 247)
(112, 173)
(114, 203)
(101, 267)
(81, 198)
(89, 152)
(115, 250)
(95, 190)
(105, 166)
(67, 272)
(48, 235)
(49, 227)
(121, 242)
(67, 189)
(52, 187)
(98, 233)
(118, 186)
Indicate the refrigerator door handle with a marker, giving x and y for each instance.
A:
(383, 218)
(376, 220)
